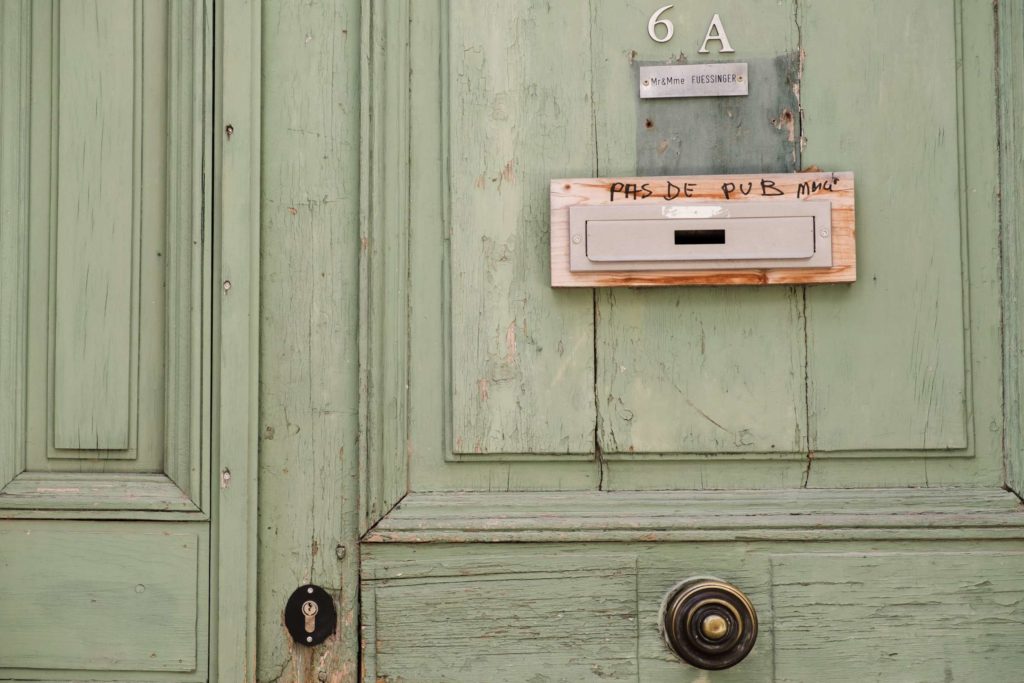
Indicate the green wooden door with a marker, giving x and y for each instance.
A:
(105, 319)
(540, 466)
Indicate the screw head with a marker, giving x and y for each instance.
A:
(576, 239)
(823, 233)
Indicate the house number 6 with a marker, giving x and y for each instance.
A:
(653, 24)
(715, 31)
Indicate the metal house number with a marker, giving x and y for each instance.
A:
(665, 27)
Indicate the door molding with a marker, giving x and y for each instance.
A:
(1011, 179)
(236, 338)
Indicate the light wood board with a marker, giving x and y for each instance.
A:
(836, 187)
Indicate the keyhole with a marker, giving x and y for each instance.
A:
(309, 609)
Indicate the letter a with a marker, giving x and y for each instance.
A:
(719, 35)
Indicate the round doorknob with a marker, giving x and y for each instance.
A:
(708, 623)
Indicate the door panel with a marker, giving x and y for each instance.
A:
(924, 616)
(100, 236)
(573, 616)
(522, 354)
(87, 598)
(105, 339)
(95, 220)
(893, 113)
(902, 366)
(698, 370)
(908, 612)
(110, 267)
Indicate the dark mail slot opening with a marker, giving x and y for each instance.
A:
(700, 236)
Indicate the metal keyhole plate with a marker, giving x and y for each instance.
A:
(310, 615)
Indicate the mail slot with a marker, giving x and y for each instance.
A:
(701, 236)
(701, 239)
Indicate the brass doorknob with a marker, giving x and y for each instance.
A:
(708, 623)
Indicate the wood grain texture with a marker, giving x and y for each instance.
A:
(522, 367)
(96, 224)
(574, 618)
(925, 616)
(235, 347)
(684, 372)
(170, 100)
(134, 495)
(14, 233)
(188, 279)
(681, 374)
(155, 332)
(427, 460)
(698, 515)
(910, 360)
(855, 598)
(385, 258)
(309, 328)
(111, 583)
(596, 192)
(1011, 175)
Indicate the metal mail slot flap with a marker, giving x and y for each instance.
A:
(703, 239)
(701, 235)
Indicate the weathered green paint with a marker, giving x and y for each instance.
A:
(701, 515)
(425, 438)
(161, 329)
(830, 408)
(118, 598)
(932, 613)
(235, 344)
(686, 370)
(573, 616)
(1011, 176)
(522, 360)
(901, 386)
(96, 79)
(15, 48)
(383, 258)
(359, 133)
(853, 645)
(166, 92)
(309, 342)
(188, 288)
(176, 633)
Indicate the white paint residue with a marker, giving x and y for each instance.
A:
(694, 211)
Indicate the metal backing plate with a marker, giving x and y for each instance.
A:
(752, 239)
(310, 615)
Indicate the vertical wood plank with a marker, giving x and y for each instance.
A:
(309, 339)
(886, 357)
(520, 114)
(95, 222)
(14, 233)
(1011, 90)
(689, 370)
(425, 461)
(237, 35)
